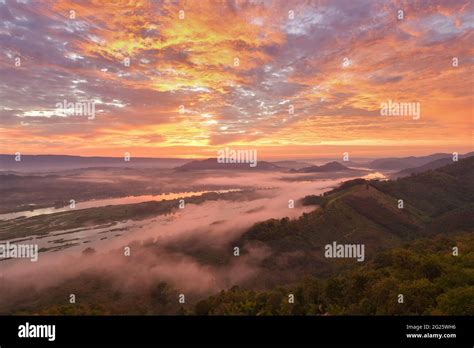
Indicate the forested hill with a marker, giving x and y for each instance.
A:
(369, 213)
(431, 280)
(409, 252)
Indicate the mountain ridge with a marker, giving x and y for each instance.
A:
(325, 168)
(212, 163)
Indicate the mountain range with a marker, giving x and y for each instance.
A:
(399, 163)
(429, 166)
(212, 164)
(44, 163)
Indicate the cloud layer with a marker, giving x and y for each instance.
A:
(236, 68)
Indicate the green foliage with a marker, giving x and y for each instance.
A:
(459, 301)
(313, 200)
(431, 280)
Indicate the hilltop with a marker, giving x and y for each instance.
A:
(212, 163)
(326, 168)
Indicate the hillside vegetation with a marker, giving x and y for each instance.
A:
(431, 280)
(364, 212)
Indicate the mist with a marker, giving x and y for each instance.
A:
(167, 247)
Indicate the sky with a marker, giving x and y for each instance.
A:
(290, 79)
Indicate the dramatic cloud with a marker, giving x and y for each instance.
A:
(236, 68)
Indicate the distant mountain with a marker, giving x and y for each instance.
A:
(356, 163)
(291, 164)
(326, 168)
(212, 163)
(429, 166)
(43, 163)
(400, 163)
